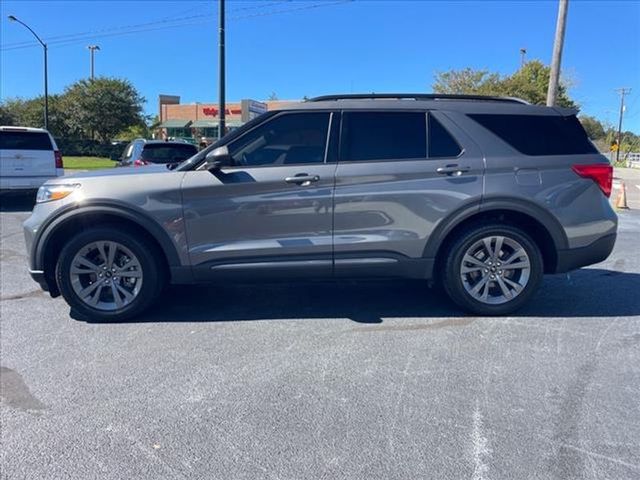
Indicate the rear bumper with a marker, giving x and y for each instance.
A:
(595, 252)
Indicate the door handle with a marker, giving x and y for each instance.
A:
(302, 179)
(453, 169)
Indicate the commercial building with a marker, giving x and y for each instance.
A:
(199, 122)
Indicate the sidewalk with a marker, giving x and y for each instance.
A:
(631, 179)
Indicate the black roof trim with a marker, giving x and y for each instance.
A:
(416, 96)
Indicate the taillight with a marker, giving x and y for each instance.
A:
(58, 157)
(601, 173)
(140, 163)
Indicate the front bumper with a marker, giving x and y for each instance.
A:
(595, 252)
(39, 278)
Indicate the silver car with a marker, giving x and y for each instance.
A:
(483, 195)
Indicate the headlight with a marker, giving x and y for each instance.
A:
(47, 193)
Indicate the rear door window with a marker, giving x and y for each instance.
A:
(441, 142)
(539, 134)
(25, 141)
(383, 136)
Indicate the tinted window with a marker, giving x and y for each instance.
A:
(167, 153)
(290, 139)
(25, 141)
(539, 134)
(441, 142)
(384, 135)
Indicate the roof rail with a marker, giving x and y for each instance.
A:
(416, 96)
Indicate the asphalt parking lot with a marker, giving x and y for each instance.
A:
(350, 380)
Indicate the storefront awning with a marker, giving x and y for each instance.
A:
(175, 124)
(205, 124)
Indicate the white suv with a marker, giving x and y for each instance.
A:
(28, 158)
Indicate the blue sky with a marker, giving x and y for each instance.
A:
(296, 48)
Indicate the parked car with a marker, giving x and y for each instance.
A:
(28, 158)
(481, 194)
(142, 152)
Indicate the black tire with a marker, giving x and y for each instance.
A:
(147, 254)
(451, 269)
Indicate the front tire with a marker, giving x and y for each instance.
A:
(109, 274)
(492, 269)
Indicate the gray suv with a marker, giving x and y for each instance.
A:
(483, 195)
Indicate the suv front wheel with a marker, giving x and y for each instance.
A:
(109, 274)
(492, 269)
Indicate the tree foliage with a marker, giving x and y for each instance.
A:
(595, 130)
(530, 83)
(104, 106)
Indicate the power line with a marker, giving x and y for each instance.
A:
(166, 23)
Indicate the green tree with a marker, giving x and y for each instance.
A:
(103, 106)
(530, 83)
(468, 81)
(595, 129)
(30, 113)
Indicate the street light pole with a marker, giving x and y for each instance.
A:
(221, 124)
(46, 75)
(92, 49)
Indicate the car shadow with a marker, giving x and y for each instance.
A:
(583, 293)
(17, 201)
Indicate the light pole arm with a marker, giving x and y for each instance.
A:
(29, 28)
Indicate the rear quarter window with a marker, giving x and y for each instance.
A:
(25, 141)
(539, 134)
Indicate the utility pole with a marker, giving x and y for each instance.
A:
(221, 124)
(554, 77)
(622, 91)
(523, 53)
(92, 49)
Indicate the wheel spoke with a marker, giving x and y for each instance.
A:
(498, 247)
(517, 265)
(101, 248)
(473, 260)
(125, 293)
(475, 268)
(485, 292)
(95, 298)
(89, 289)
(514, 256)
(116, 295)
(130, 273)
(84, 262)
(476, 288)
(516, 286)
(112, 253)
(503, 286)
(487, 246)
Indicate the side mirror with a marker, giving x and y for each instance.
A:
(218, 158)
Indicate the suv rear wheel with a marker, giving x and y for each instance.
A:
(108, 274)
(492, 269)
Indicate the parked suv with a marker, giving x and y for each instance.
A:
(28, 158)
(482, 194)
(143, 152)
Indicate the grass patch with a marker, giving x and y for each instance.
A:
(87, 163)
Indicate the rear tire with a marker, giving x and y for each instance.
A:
(492, 269)
(109, 274)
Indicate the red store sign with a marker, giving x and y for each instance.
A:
(213, 112)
